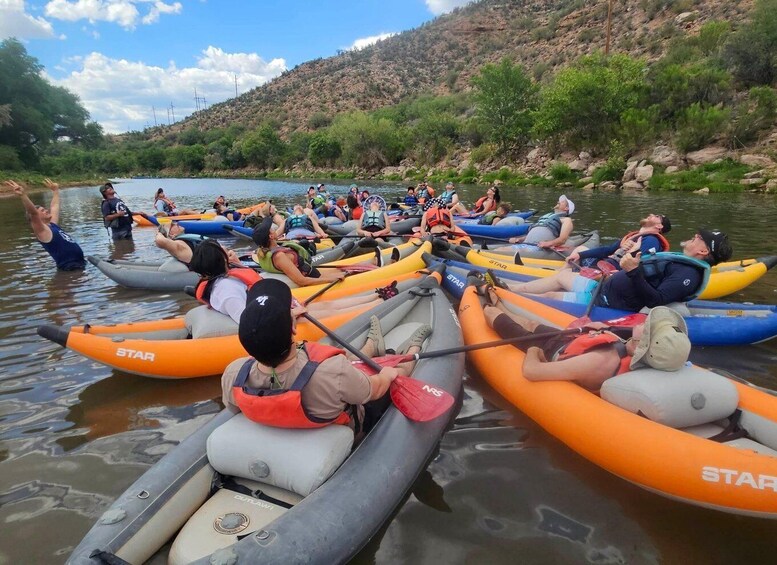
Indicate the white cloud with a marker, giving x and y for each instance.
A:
(367, 41)
(119, 94)
(438, 7)
(16, 22)
(122, 12)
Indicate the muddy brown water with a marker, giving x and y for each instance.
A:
(74, 434)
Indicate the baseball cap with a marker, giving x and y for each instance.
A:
(261, 233)
(570, 204)
(664, 344)
(718, 244)
(667, 225)
(265, 329)
(105, 187)
(320, 186)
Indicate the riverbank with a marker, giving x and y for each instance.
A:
(34, 182)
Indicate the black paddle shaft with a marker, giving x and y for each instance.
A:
(332, 335)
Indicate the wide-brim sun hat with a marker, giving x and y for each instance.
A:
(664, 343)
(374, 198)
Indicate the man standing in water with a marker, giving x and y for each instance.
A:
(116, 215)
(67, 254)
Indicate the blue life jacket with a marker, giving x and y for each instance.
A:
(655, 265)
(447, 196)
(552, 221)
(299, 222)
(373, 221)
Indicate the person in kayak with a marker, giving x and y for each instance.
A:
(437, 219)
(300, 219)
(375, 222)
(166, 207)
(451, 200)
(330, 389)
(355, 209)
(224, 283)
(592, 357)
(484, 204)
(496, 216)
(551, 229)
(649, 281)
(288, 258)
(410, 198)
(65, 251)
(424, 192)
(172, 238)
(264, 210)
(651, 229)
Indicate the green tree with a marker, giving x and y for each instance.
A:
(583, 105)
(367, 141)
(323, 149)
(750, 51)
(505, 99)
(263, 148)
(151, 158)
(433, 135)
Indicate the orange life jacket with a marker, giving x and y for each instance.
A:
(633, 235)
(282, 408)
(479, 205)
(590, 341)
(247, 276)
(438, 216)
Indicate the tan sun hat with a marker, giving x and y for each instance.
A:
(664, 343)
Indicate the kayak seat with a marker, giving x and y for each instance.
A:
(689, 397)
(291, 459)
(173, 265)
(712, 430)
(203, 322)
(761, 429)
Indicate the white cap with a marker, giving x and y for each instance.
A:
(570, 204)
(664, 343)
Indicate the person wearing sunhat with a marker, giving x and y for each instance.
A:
(374, 222)
(652, 230)
(643, 282)
(594, 356)
(329, 389)
(552, 229)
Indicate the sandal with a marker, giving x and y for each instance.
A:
(387, 292)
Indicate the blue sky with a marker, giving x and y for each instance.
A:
(123, 57)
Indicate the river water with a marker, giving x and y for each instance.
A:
(74, 434)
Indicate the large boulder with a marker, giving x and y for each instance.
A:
(631, 171)
(757, 161)
(706, 155)
(633, 185)
(665, 156)
(643, 173)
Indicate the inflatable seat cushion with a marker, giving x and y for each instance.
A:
(173, 265)
(761, 429)
(291, 459)
(203, 322)
(689, 397)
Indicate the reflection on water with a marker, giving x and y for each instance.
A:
(74, 434)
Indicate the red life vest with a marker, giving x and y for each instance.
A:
(247, 276)
(282, 408)
(438, 216)
(590, 341)
(633, 235)
(479, 205)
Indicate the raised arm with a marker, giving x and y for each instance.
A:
(54, 206)
(41, 230)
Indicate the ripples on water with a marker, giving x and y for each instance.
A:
(74, 435)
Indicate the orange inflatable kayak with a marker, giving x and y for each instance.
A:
(142, 222)
(200, 344)
(737, 476)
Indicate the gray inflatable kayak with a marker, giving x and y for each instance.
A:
(171, 275)
(286, 496)
(404, 226)
(589, 239)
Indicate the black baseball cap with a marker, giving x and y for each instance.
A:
(261, 233)
(665, 223)
(105, 187)
(717, 242)
(265, 329)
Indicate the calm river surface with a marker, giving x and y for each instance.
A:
(74, 434)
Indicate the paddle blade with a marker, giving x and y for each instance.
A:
(385, 361)
(628, 321)
(419, 401)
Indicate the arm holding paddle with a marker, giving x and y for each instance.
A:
(284, 263)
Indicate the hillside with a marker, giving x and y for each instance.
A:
(441, 56)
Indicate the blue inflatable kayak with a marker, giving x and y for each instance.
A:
(209, 227)
(709, 322)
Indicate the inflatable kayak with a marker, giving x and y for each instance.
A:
(398, 226)
(649, 427)
(172, 275)
(206, 215)
(725, 278)
(240, 492)
(524, 214)
(528, 250)
(199, 344)
(709, 322)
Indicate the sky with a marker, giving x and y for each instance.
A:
(137, 63)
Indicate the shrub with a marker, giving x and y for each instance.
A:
(9, 159)
(698, 126)
(753, 116)
(560, 172)
(482, 153)
(749, 52)
(639, 127)
(718, 177)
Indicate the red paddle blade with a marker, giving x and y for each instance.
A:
(358, 268)
(385, 361)
(628, 321)
(419, 401)
(591, 273)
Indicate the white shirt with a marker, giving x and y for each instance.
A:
(228, 296)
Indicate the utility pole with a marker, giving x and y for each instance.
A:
(154, 112)
(235, 85)
(609, 27)
(168, 115)
(172, 110)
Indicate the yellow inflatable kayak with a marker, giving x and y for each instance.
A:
(725, 278)
(669, 449)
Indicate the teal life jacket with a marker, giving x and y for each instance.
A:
(487, 218)
(552, 221)
(299, 222)
(654, 266)
(447, 197)
(373, 221)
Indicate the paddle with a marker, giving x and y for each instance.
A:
(416, 400)
(321, 291)
(393, 360)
